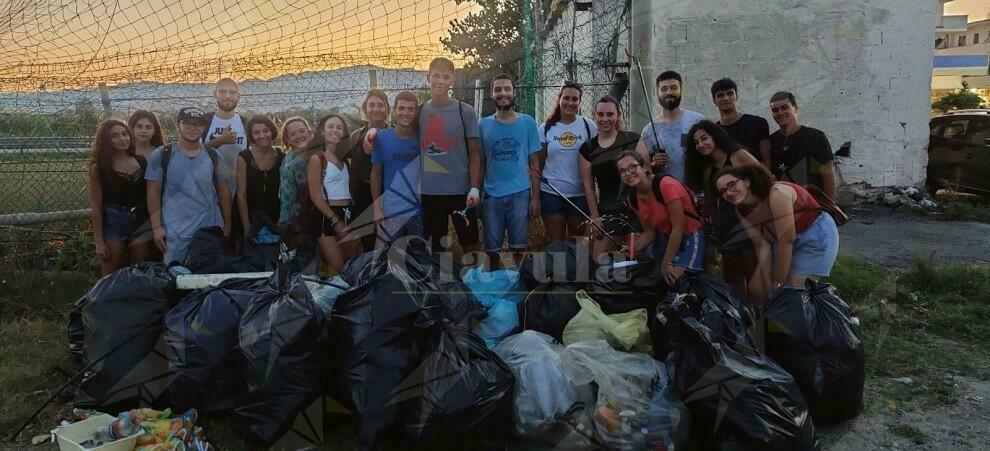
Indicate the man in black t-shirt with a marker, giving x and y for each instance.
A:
(799, 153)
(751, 131)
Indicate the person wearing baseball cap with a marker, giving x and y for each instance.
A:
(186, 189)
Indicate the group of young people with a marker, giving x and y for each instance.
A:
(414, 169)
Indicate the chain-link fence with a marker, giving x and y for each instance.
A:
(64, 72)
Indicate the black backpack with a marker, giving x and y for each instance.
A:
(696, 201)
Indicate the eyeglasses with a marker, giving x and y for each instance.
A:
(628, 169)
(728, 186)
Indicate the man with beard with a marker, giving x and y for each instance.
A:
(511, 143)
(799, 154)
(749, 130)
(452, 162)
(225, 132)
(673, 125)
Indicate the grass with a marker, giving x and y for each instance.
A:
(926, 323)
(52, 184)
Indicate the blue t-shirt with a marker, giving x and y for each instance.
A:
(189, 197)
(673, 136)
(401, 169)
(507, 148)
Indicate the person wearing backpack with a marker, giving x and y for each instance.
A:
(709, 149)
(329, 189)
(186, 189)
(671, 221)
(562, 136)
(794, 236)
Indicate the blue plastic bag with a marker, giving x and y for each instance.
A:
(499, 292)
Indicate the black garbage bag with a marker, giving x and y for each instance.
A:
(461, 392)
(814, 335)
(281, 337)
(122, 325)
(736, 399)
(374, 335)
(548, 308)
(208, 254)
(714, 305)
(559, 262)
(75, 329)
(624, 288)
(203, 354)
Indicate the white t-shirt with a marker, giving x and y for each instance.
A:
(337, 182)
(228, 152)
(563, 142)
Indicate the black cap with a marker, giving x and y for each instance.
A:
(191, 113)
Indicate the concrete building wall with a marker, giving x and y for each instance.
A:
(861, 71)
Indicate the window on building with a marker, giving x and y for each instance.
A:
(976, 38)
(962, 40)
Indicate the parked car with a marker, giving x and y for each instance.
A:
(959, 152)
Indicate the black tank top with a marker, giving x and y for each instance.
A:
(127, 190)
(262, 186)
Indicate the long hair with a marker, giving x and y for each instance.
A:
(318, 142)
(555, 115)
(102, 150)
(760, 179)
(285, 136)
(158, 138)
(619, 126)
(263, 119)
(696, 164)
(379, 94)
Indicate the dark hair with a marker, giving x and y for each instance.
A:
(318, 141)
(102, 150)
(760, 179)
(285, 136)
(618, 109)
(783, 95)
(695, 164)
(725, 84)
(266, 121)
(669, 75)
(377, 93)
(504, 76)
(407, 96)
(158, 138)
(555, 115)
(634, 155)
(441, 63)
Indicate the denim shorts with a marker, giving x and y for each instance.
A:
(123, 223)
(552, 204)
(506, 214)
(690, 255)
(816, 247)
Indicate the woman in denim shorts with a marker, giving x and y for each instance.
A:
(785, 223)
(118, 198)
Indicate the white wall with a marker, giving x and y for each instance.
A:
(861, 71)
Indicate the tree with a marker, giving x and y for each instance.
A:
(489, 39)
(962, 100)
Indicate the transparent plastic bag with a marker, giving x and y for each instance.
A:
(544, 390)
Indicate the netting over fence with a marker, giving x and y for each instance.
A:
(65, 65)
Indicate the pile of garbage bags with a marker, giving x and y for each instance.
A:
(422, 353)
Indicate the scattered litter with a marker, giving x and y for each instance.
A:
(974, 398)
(904, 380)
(894, 197)
(39, 439)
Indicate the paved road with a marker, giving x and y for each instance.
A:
(895, 238)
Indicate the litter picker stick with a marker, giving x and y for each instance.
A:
(648, 99)
(592, 221)
(73, 378)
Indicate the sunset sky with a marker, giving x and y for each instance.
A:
(56, 44)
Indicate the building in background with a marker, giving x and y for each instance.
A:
(962, 55)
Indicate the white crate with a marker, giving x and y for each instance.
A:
(69, 437)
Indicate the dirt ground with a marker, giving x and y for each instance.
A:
(893, 238)
(962, 425)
